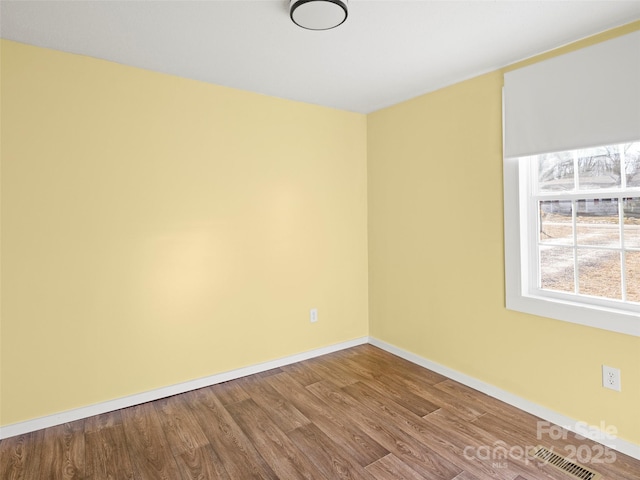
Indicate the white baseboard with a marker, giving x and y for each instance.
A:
(20, 428)
(592, 432)
(131, 400)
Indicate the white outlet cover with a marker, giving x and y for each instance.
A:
(611, 378)
(313, 315)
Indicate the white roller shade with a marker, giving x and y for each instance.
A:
(585, 98)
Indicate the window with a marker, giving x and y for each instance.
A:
(582, 225)
(572, 244)
(572, 236)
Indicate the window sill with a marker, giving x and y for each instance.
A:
(609, 319)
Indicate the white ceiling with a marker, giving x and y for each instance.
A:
(386, 51)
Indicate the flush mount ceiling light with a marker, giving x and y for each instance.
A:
(318, 14)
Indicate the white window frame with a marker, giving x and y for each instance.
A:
(518, 259)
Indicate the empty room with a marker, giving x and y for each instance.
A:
(320, 239)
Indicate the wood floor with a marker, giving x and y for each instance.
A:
(360, 413)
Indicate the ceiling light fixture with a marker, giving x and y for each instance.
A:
(318, 14)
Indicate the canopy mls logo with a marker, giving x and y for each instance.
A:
(500, 452)
(497, 454)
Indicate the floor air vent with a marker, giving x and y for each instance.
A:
(561, 463)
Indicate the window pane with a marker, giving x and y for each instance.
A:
(556, 223)
(631, 207)
(632, 163)
(555, 171)
(599, 168)
(581, 240)
(556, 269)
(633, 276)
(599, 273)
(597, 222)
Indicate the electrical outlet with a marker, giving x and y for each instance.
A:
(313, 315)
(611, 378)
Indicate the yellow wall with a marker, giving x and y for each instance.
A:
(157, 229)
(436, 267)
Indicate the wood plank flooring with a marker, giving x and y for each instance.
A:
(357, 414)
